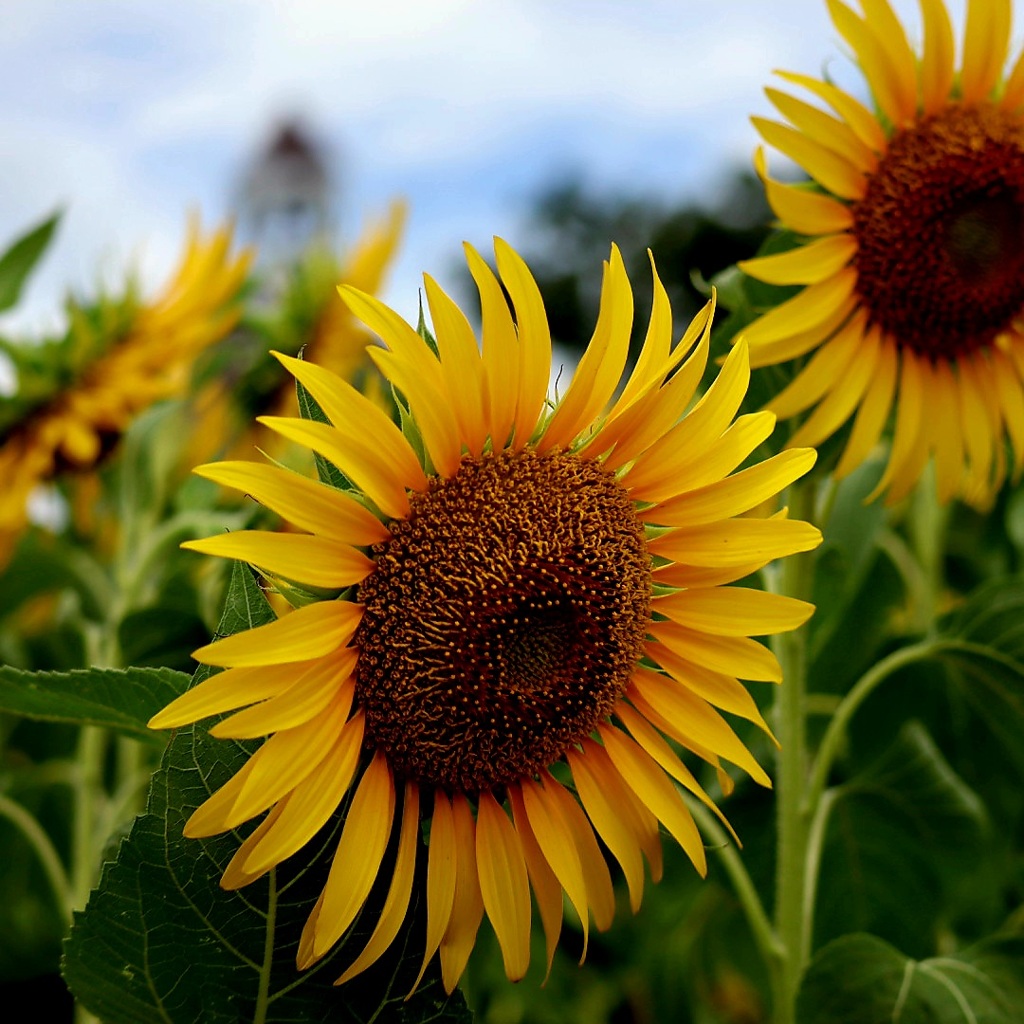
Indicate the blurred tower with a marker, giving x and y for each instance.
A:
(286, 200)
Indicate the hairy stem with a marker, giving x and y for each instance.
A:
(795, 580)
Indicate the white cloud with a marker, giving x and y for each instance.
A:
(132, 111)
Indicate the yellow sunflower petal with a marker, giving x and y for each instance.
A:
(863, 122)
(414, 369)
(208, 818)
(949, 454)
(500, 350)
(534, 339)
(1011, 402)
(642, 774)
(831, 132)
(396, 903)
(909, 413)
(830, 170)
(680, 649)
(650, 478)
(800, 209)
(654, 745)
(460, 358)
(873, 412)
(888, 30)
(722, 456)
(650, 418)
(986, 37)
(355, 414)
(326, 678)
(468, 905)
(554, 837)
(736, 541)
(226, 691)
(679, 574)
(807, 264)
(316, 561)
(357, 860)
(841, 402)
(285, 760)
(974, 420)
(827, 366)
(309, 806)
(692, 719)
(895, 91)
(504, 884)
(608, 820)
(938, 57)
(1013, 92)
(734, 611)
(303, 634)
(441, 872)
(542, 878)
(600, 893)
(813, 307)
(734, 495)
(653, 361)
(632, 811)
(600, 368)
(306, 503)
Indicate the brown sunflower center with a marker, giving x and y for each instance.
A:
(940, 232)
(502, 620)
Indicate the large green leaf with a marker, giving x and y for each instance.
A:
(119, 699)
(159, 940)
(859, 979)
(20, 259)
(901, 836)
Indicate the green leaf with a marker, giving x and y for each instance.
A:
(160, 941)
(20, 259)
(119, 699)
(901, 836)
(859, 979)
(328, 472)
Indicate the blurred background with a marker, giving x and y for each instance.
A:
(489, 119)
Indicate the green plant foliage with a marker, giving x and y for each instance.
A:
(859, 979)
(119, 699)
(159, 940)
(901, 833)
(21, 257)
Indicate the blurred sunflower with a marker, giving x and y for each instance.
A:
(310, 316)
(914, 270)
(526, 593)
(115, 361)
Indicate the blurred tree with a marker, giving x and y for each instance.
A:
(573, 227)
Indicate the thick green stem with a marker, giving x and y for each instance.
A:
(89, 803)
(796, 580)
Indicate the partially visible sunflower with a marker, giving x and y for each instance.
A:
(312, 317)
(914, 262)
(526, 594)
(132, 358)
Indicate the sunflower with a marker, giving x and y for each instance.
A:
(147, 357)
(527, 594)
(914, 260)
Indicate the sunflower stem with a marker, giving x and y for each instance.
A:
(791, 923)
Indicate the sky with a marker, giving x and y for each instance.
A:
(128, 114)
